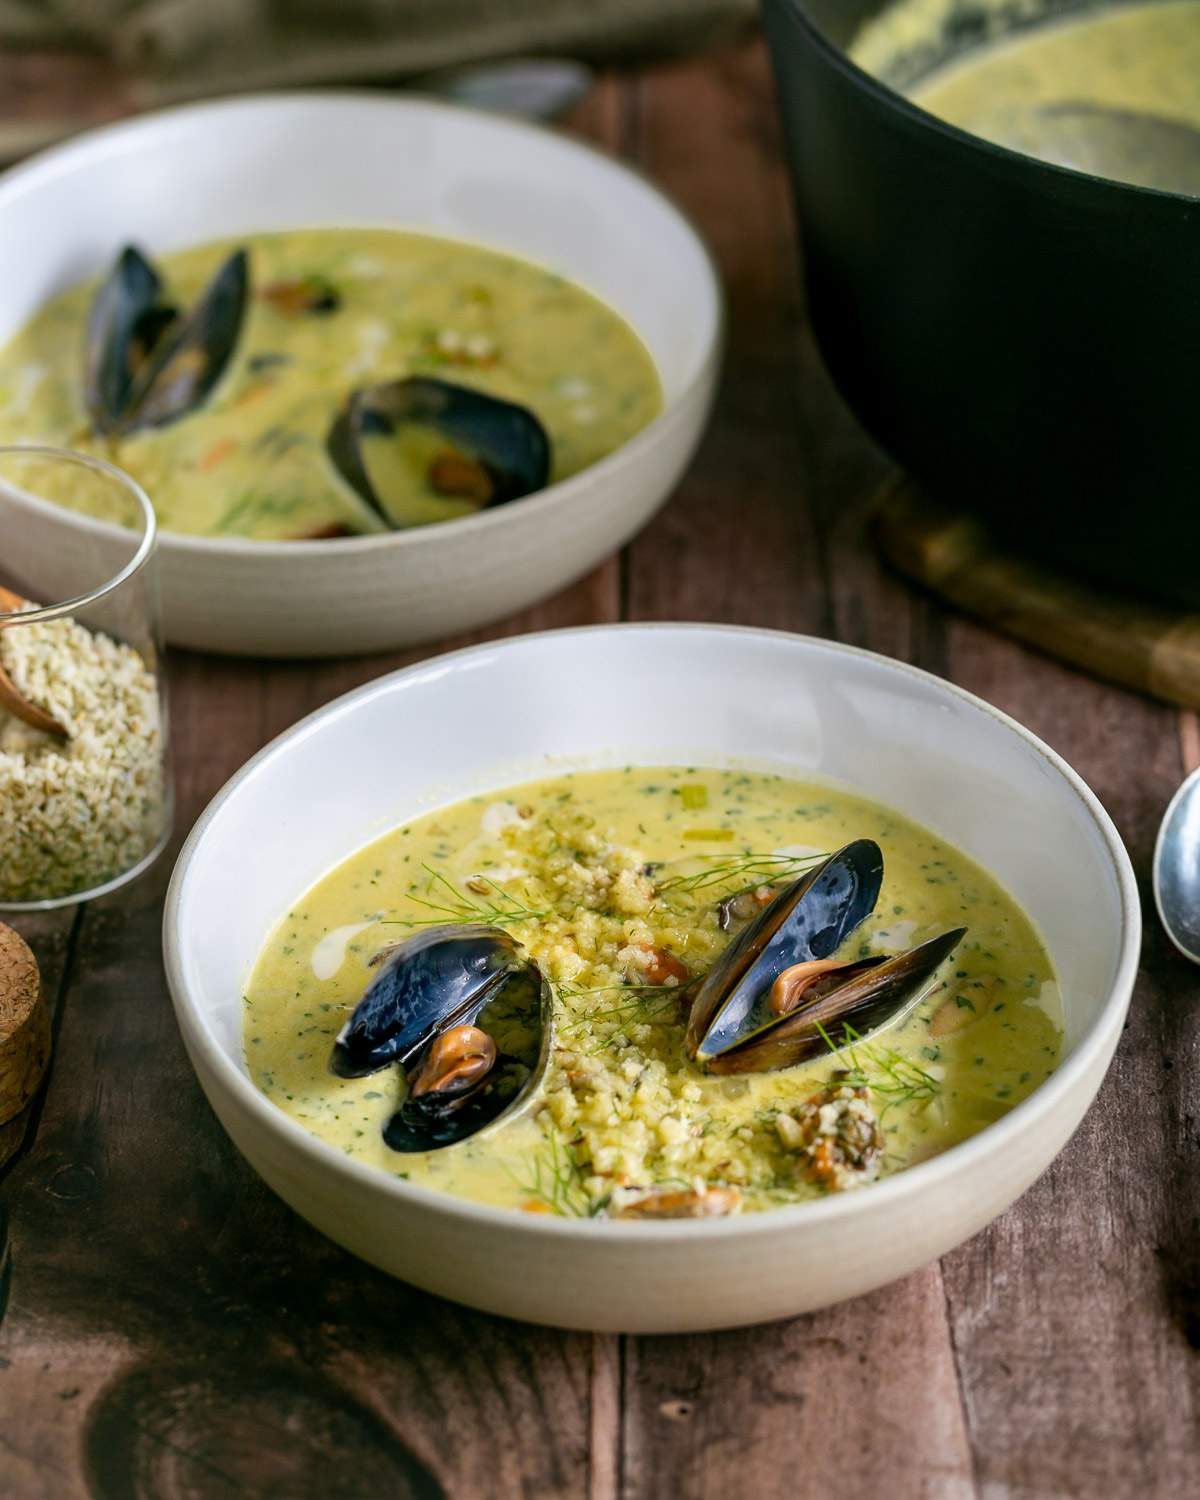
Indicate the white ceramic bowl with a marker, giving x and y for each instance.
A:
(483, 718)
(283, 161)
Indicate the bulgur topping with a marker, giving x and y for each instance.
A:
(76, 814)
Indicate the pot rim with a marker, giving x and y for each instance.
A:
(922, 119)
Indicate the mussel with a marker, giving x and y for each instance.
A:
(469, 1020)
(778, 993)
(148, 363)
(422, 450)
(742, 905)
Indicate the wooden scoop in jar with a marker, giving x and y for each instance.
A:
(11, 696)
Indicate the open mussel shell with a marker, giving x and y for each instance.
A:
(439, 978)
(809, 919)
(126, 320)
(421, 450)
(147, 364)
(517, 1017)
(867, 994)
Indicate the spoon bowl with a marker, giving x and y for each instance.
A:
(11, 696)
(1176, 874)
(1124, 145)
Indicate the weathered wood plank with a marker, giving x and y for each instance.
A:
(736, 543)
(46, 94)
(190, 1314)
(764, 537)
(856, 1400)
(195, 1319)
(1073, 1379)
(173, 1328)
(1074, 1318)
(1077, 1315)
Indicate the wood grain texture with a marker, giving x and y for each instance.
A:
(764, 511)
(46, 94)
(173, 1330)
(860, 1399)
(1077, 1316)
(230, 1322)
(736, 543)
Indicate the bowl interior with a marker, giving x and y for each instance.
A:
(288, 161)
(487, 717)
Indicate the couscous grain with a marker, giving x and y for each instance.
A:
(76, 814)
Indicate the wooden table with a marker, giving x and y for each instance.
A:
(173, 1330)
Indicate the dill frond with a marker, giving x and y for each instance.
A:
(896, 1078)
(555, 1178)
(647, 1005)
(448, 903)
(752, 870)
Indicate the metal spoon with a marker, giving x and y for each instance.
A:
(1176, 875)
(537, 88)
(1122, 144)
(11, 696)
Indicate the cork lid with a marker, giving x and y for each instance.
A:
(24, 1025)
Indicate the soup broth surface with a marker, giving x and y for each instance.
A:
(251, 462)
(598, 874)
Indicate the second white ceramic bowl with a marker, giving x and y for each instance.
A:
(487, 717)
(302, 160)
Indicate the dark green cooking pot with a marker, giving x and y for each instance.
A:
(1023, 338)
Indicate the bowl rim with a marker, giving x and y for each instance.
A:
(927, 1175)
(146, 549)
(917, 115)
(100, 141)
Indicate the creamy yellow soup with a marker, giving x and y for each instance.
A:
(1036, 88)
(613, 881)
(252, 462)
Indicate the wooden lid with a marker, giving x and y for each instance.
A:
(24, 1025)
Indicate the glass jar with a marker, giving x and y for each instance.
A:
(85, 778)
